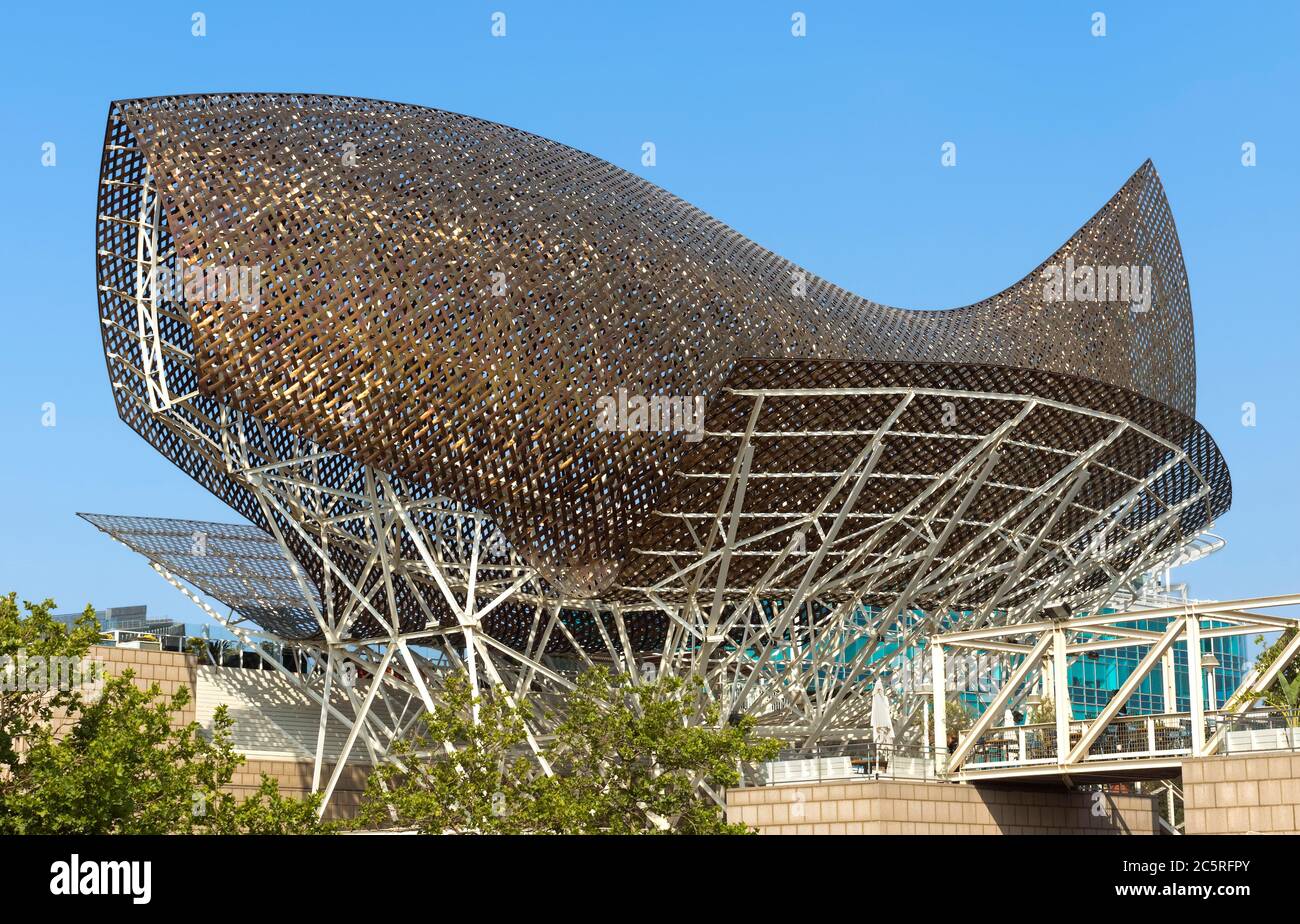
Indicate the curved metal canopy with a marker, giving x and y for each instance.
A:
(447, 300)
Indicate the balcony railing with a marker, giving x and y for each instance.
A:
(1267, 729)
(856, 761)
(1136, 737)
(214, 651)
(1130, 737)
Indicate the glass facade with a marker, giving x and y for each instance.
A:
(1095, 677)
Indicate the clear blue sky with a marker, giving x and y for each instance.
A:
(824, 148)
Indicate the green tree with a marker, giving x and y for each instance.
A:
(957, 718)
(265, 811)
(1043, 714)
(118, 762)
(452, 775)
(31, 634)
(627, 756)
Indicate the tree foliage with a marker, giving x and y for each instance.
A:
(31, 632)
(265, 811)
(1284, 694)
(628, 757)
(957, 718)
(1044, 713)
(117, 761)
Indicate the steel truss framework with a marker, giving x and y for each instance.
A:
(1037, 655)
(801, 552)
(801, 667)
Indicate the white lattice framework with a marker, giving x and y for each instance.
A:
(1038, 655)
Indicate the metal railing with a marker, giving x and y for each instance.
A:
(143, 639)
(1128, 737)
(849, 762)
(1143, 736)
(1131, 737)
(214, 651)
(1262, 729)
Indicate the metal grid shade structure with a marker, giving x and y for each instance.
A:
(410, 409)
(236, 564)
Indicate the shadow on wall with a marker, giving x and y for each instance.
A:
(1014, 810)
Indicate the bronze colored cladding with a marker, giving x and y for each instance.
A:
(377, 228)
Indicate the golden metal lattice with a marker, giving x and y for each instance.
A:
(381, 331)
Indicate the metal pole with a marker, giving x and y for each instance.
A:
(1061, 693)
(938, 681)
(1194, 681)
(471, 662)
(925, 734)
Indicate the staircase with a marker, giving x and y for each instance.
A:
(274, 720)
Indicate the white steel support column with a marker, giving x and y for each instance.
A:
(471, 662)
(375, 684)
(1194, 681)
(324, 722)
(1061, 694)
(938, 682)
(1121, 696)
(994, 709)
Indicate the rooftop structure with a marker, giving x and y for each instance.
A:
(129, 620)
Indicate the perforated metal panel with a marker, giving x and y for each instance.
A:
(238, 565)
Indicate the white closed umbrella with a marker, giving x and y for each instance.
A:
(882, 723)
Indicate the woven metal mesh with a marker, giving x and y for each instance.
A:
(376, 229)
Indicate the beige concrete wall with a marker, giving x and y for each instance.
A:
(294, 777)
(880, 807)
(1242, 794)
(171, 670)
